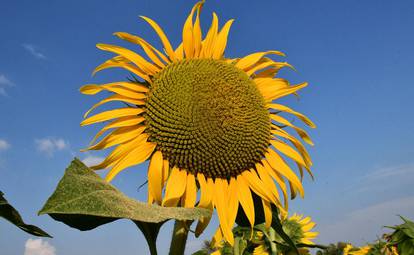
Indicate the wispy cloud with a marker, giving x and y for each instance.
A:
(38, 247)
(385, 178)
(4, 145)
(92, 160)
(49, 146)
(33, 50)
(366, 224)
(4, 83)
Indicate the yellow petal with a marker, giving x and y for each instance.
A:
(217, 238)
(119, 152)
(113, 98)
(208, 43)
(120, 122)
(311, 235)
(252, 59)
(205, 191)
(132, 56)
(258, 66)
(283, 108)
(134, 157)
(293, 192)
(150, 50)
(150, 199)
(233, 201)
(163, 37)
(257, 186)
(206, 194)
(220, 202)
(127, 89)
(305, 220)
(280, 132)
(268, 183)
(197, 35)
(111, 114)
(302, 133)
(288, 151)
(122, 62)
(118, 136)
(155, 169)
(188, 33)
(277, 163)
(269, 87)
(165, 171)
(190, 194)
(245, 199)
(267, 209)
(179, 52)
(268, 73)
(288, 91)
(279, 179)
(221, 41)
(308, 227)
(175, 187)
(112, 62)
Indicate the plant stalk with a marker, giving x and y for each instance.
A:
(179, 237)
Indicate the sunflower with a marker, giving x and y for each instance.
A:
(207, 123)
(298, 228)
(350, 250)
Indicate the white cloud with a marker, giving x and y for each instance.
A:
(4, 145)
(4, 83)
(92, 160)
(33, 50)
(38, 247)
(366, 224)
(49, 146)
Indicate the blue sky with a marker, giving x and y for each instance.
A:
(356, 55)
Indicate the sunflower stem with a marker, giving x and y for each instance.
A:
(179, 237)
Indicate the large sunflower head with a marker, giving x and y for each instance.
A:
(207, 123)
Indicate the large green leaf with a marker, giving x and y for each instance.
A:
(84, 200)
(12, 215)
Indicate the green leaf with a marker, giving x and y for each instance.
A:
(407, 227)
(84, 200)
(12, 215)
(201, 252)
(277, 226)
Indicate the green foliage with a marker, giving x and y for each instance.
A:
(402, 237)
(8, 212)
(333, 249)
(83, 200)
(280, 238)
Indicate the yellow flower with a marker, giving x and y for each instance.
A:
(306, 224)
(350, 250)
(206, 122)
(260, 250)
